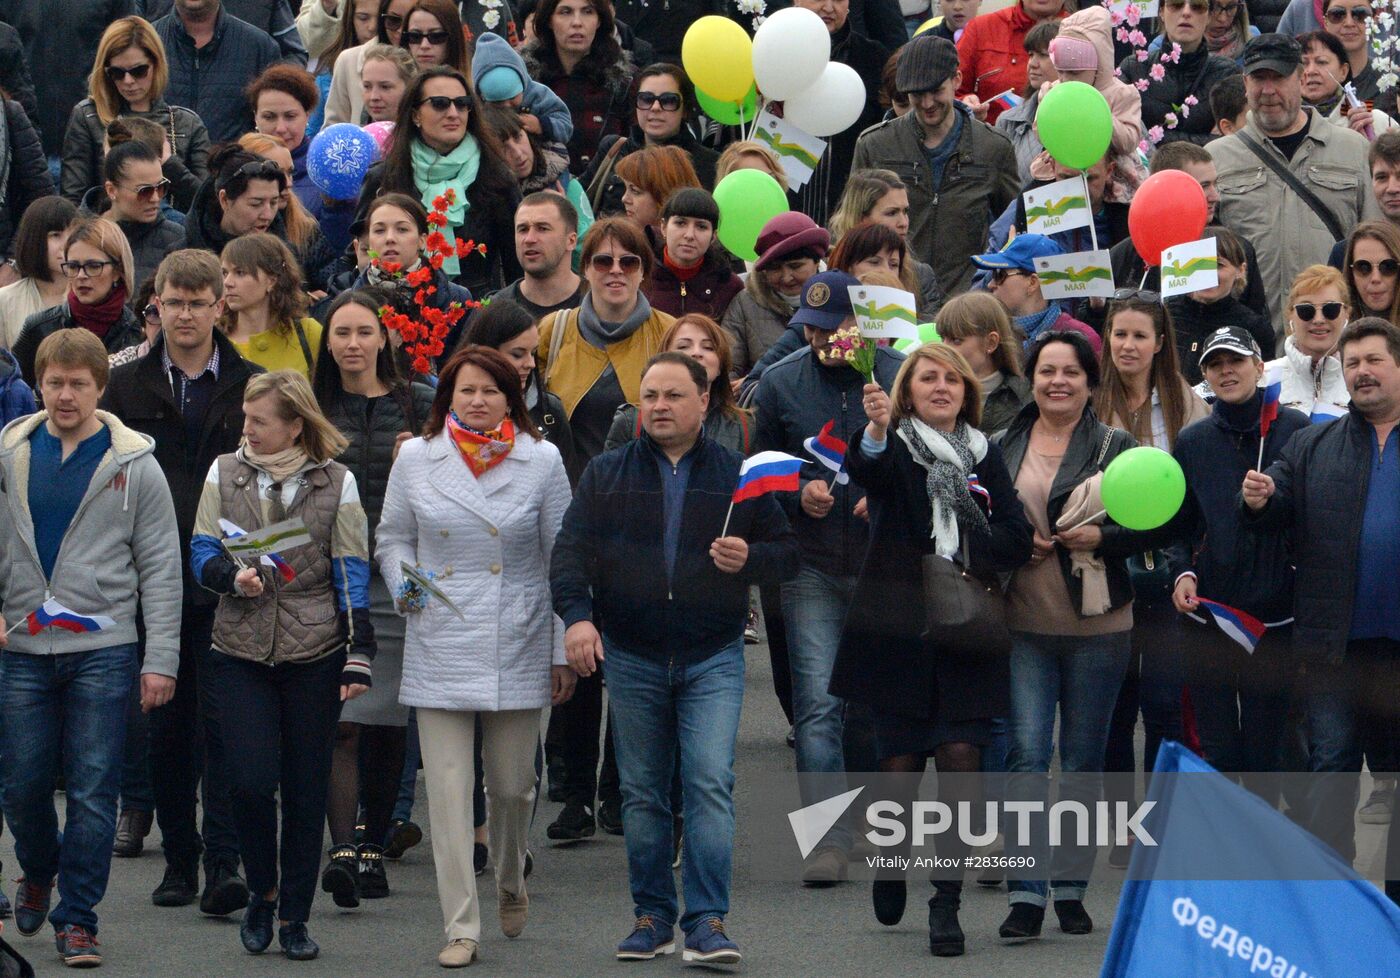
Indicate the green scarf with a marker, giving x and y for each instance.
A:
(433, 173)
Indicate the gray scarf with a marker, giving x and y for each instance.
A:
(599, 333)
(948, 458)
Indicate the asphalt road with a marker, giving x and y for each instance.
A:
(580, 908)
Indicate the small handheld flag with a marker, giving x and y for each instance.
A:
(1323, 413)
(979, 491)
(1241, 627)
(830, 451)
(277, 538)
(272, 560)
(52, 614)
(1007, 99)
(764, 473)
(1268, 408)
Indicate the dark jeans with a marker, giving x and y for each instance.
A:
(186, 742)
(1151, 686)
(137, 793)
(72, 705)
(408, 779)
(279, 726)
(581, 717)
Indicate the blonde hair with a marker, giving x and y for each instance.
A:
(400, 58)
(109, 239)
(734, 153)
(319, 438)
(864, 188)
(128, 32)
(1314, 278)
(901, 405)
(72, 348)
(297, 220)
(979, 314)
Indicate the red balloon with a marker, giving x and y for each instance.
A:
(1168, 209)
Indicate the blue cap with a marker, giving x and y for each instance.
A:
(1021, 253)
(826, 301)
(499, 84)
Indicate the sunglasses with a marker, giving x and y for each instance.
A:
(409, 39)
(137, 72)
(606, 263)
(669, 101)
(393, 22)
(441, 103)
(91, 268)
(152, 191)
(1305, 311)
(1146, 295)
(1338, 14)
(1199, 6)
(1388, 267)
(1002, 274)
(152, 314)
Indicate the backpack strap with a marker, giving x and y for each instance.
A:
(305, 346)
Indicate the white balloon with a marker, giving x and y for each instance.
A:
(790, 51)
(830, 105)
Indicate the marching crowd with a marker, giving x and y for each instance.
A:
(484, 421)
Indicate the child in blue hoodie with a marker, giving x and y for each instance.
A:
(16, 398)
(499, 75)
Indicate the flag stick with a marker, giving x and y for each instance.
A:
(1093, 234)
(1085, 522)
(725, 532)
(1259, 466)
(9, 631)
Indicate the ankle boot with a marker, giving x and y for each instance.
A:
(945, 934)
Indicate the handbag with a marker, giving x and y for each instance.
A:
(961, 611)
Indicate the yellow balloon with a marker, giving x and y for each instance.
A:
(928, 25)
(718, 57)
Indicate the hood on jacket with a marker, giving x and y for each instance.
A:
(494, 51)
(1094, 25)
(128, 444)
(9, 368)
(553, 160)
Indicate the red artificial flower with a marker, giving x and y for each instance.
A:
(391, 267)
(437, 219)
(419, 276)
(435, 261)
(421, 365)
(435, 241)
(443, 201)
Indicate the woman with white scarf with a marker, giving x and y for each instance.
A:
(934, 485)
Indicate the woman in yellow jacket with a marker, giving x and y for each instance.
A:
(264, 307)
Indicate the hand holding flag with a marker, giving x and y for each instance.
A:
(1241, 627)
(233, 530)
(1268, 408)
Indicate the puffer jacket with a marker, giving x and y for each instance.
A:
(709, 291)
(1192, 76)
(126, 331)
(150, 243)
(948, 223)
(489, 540)
(186, 167)
(753, 329)
(1094, 25)
(599, 108)
(210, 80)
(1307, 386)
(24, 172)
(16, 397)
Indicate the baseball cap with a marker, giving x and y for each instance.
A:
(826, 301)
(1236, 339)
(1272, 52)
(1021, 253)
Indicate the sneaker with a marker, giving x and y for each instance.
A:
(610, 817)
(256, 930)
(179, 887)
(825, 867)
(481, 857)
(132, 829)
(709, 944)
(403, 836)
(1022, 923)
(296, 943)
(77, 947)
(341, 877)
(751, 630)
(647, 940)
(574, 822)
(32, 906)
(374, 883)
(224, 891)
(1376, 810)
(459, 953)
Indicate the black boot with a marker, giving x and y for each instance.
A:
(341, 877)
(1074, 919)
(945, 934)
(1022, 923)
(179, 886)
(888, 896)
(374, 883)
(224, 890)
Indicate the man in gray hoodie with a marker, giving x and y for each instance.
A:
(87, 529)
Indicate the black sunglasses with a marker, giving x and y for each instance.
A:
(393, 22)
(152, 314)
(1146, 295)
(605, 263)
(441, 103)
(1200, 6)
(137, 72)
(409, 39)
(1387, 267)
(1002, 274)
(669, 101)
(1305, 311)
(1338, 14)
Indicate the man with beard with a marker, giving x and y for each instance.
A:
(546, 230)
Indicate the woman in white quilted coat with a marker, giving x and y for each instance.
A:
(476, 503)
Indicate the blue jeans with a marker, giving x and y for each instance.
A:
(657, 709)
(1082, 677)
(814, 609)
(408, 782)
(73, 705)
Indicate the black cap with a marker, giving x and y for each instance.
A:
(1236, 339)
(1272, 52)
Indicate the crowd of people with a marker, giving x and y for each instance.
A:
(501, 474)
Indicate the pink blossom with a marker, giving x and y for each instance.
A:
(1122, 35)
(1137, 39)
(1156, 134)
(1171, 120)
(1133, 14)
(1143, 55)
(1141, 84)
(1186, 110)
(1175, 56)
(1117, 72)
(1144, 147)
(1191, 100)
(1158, 72)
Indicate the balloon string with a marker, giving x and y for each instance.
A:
(1093, 233)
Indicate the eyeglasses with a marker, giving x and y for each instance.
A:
(605, 263)
(1338, 14)
(1002, 274)
(151, 314)
(151, 191)
(136, 72)
(393, 22)
(1146, 295)
(1305, 311)
(178, 307)
(1388, 267)
(669, 101)
(1228, 9)
(91, 268)
(441, 103)
(410, 39)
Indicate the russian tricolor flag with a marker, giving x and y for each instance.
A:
(1007, 99)
(52, 614)
(979, 491)
(1323, 413)
(1268, 410)
(1243, 628)
(767, 472)
(830, 451)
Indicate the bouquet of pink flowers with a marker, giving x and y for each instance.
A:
(848, 346)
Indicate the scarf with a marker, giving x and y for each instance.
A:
(948, 458)
(434, 173)
(1325, 107)
(280, 466)
(481, 450)
(375, 275)
(793, 302)
(98, 319)
(599, 333)
(1227, 45)
(1037, 322)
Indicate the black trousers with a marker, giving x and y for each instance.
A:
(279, 729)
(580, 720)
(186, 742)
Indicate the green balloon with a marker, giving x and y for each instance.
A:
(728, 113)
(928, 333)
(748, 199)
(1075, 124)
(1143, 488)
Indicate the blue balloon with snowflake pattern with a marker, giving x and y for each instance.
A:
(339, 158)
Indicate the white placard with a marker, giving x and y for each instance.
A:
(883, 313)
(1147, 8)
(1190, 267)
(1078, 275)
(1059, 206)
(798, 152)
